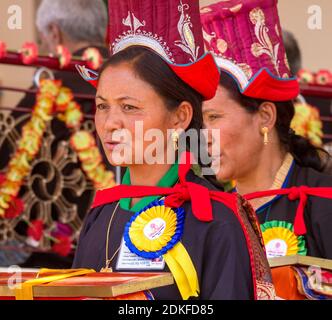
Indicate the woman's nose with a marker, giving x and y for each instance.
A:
(209, 137)
(113, 120)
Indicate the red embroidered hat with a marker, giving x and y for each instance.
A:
(246, 39)
(172, 29)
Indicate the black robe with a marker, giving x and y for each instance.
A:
(218, 249)
(317, 215)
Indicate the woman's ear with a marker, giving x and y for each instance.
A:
(267, 115)
(183, 116)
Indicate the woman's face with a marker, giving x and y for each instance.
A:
(127, 107)
(238, 132)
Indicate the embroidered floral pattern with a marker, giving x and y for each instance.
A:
(257, 16)
(236, 8)
(286, 62)
(246, 69)
(277, 31)
(208, 37)
(133, 23)
(187, 42)
(136, 36)
(265, 291)
(265, 45)
(220, 50)
(205, 10)
(259, 263)
(222, 45)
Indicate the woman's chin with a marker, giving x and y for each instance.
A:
(223, 176)
(116, 160)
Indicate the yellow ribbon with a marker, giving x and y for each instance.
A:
(24, 291)
(183, 270)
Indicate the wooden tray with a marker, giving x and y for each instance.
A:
(300, 260)
(95, 285)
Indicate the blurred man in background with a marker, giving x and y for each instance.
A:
(77, 25)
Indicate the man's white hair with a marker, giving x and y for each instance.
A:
(80, 20)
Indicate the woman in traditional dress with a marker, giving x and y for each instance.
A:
(163, 217)
(253, 110)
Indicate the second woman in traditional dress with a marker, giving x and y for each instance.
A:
(277, 170)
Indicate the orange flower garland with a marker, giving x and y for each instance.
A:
(28, 147)
(52, 97)
(3, 49)
(64, 56)
(28, 55)
(307, 123)
(93, 58)
(83, 142)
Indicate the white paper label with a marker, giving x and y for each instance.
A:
(155, 228)
(130, 261)
(276, 248)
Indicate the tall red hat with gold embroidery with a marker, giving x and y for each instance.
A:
(172, 29)
(246, 39)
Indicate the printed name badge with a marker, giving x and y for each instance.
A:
(280, 239)
(130, 261)
(276, 248)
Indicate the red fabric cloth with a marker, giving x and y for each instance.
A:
(285, 283)
(94, 83)
(267, 87)
(203, 76)
(199, 196)
(295, 193)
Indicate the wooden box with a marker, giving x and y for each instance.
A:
(117, 286)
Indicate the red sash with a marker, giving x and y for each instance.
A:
(295, 193)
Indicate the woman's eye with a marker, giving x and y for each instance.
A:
(102, 106)
(128, 107)
(212, 117)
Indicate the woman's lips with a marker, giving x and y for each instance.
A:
(110, 146)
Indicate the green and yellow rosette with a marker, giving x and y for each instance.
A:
(280, 239)
(155, 232)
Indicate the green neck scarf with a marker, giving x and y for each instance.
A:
(168, 180)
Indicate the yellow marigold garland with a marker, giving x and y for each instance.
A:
(28, 146)
(307, 123)
(52, 98)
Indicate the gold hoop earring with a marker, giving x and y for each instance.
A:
(175, 139)
(265, 132)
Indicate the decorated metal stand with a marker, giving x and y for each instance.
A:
(47, 180)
